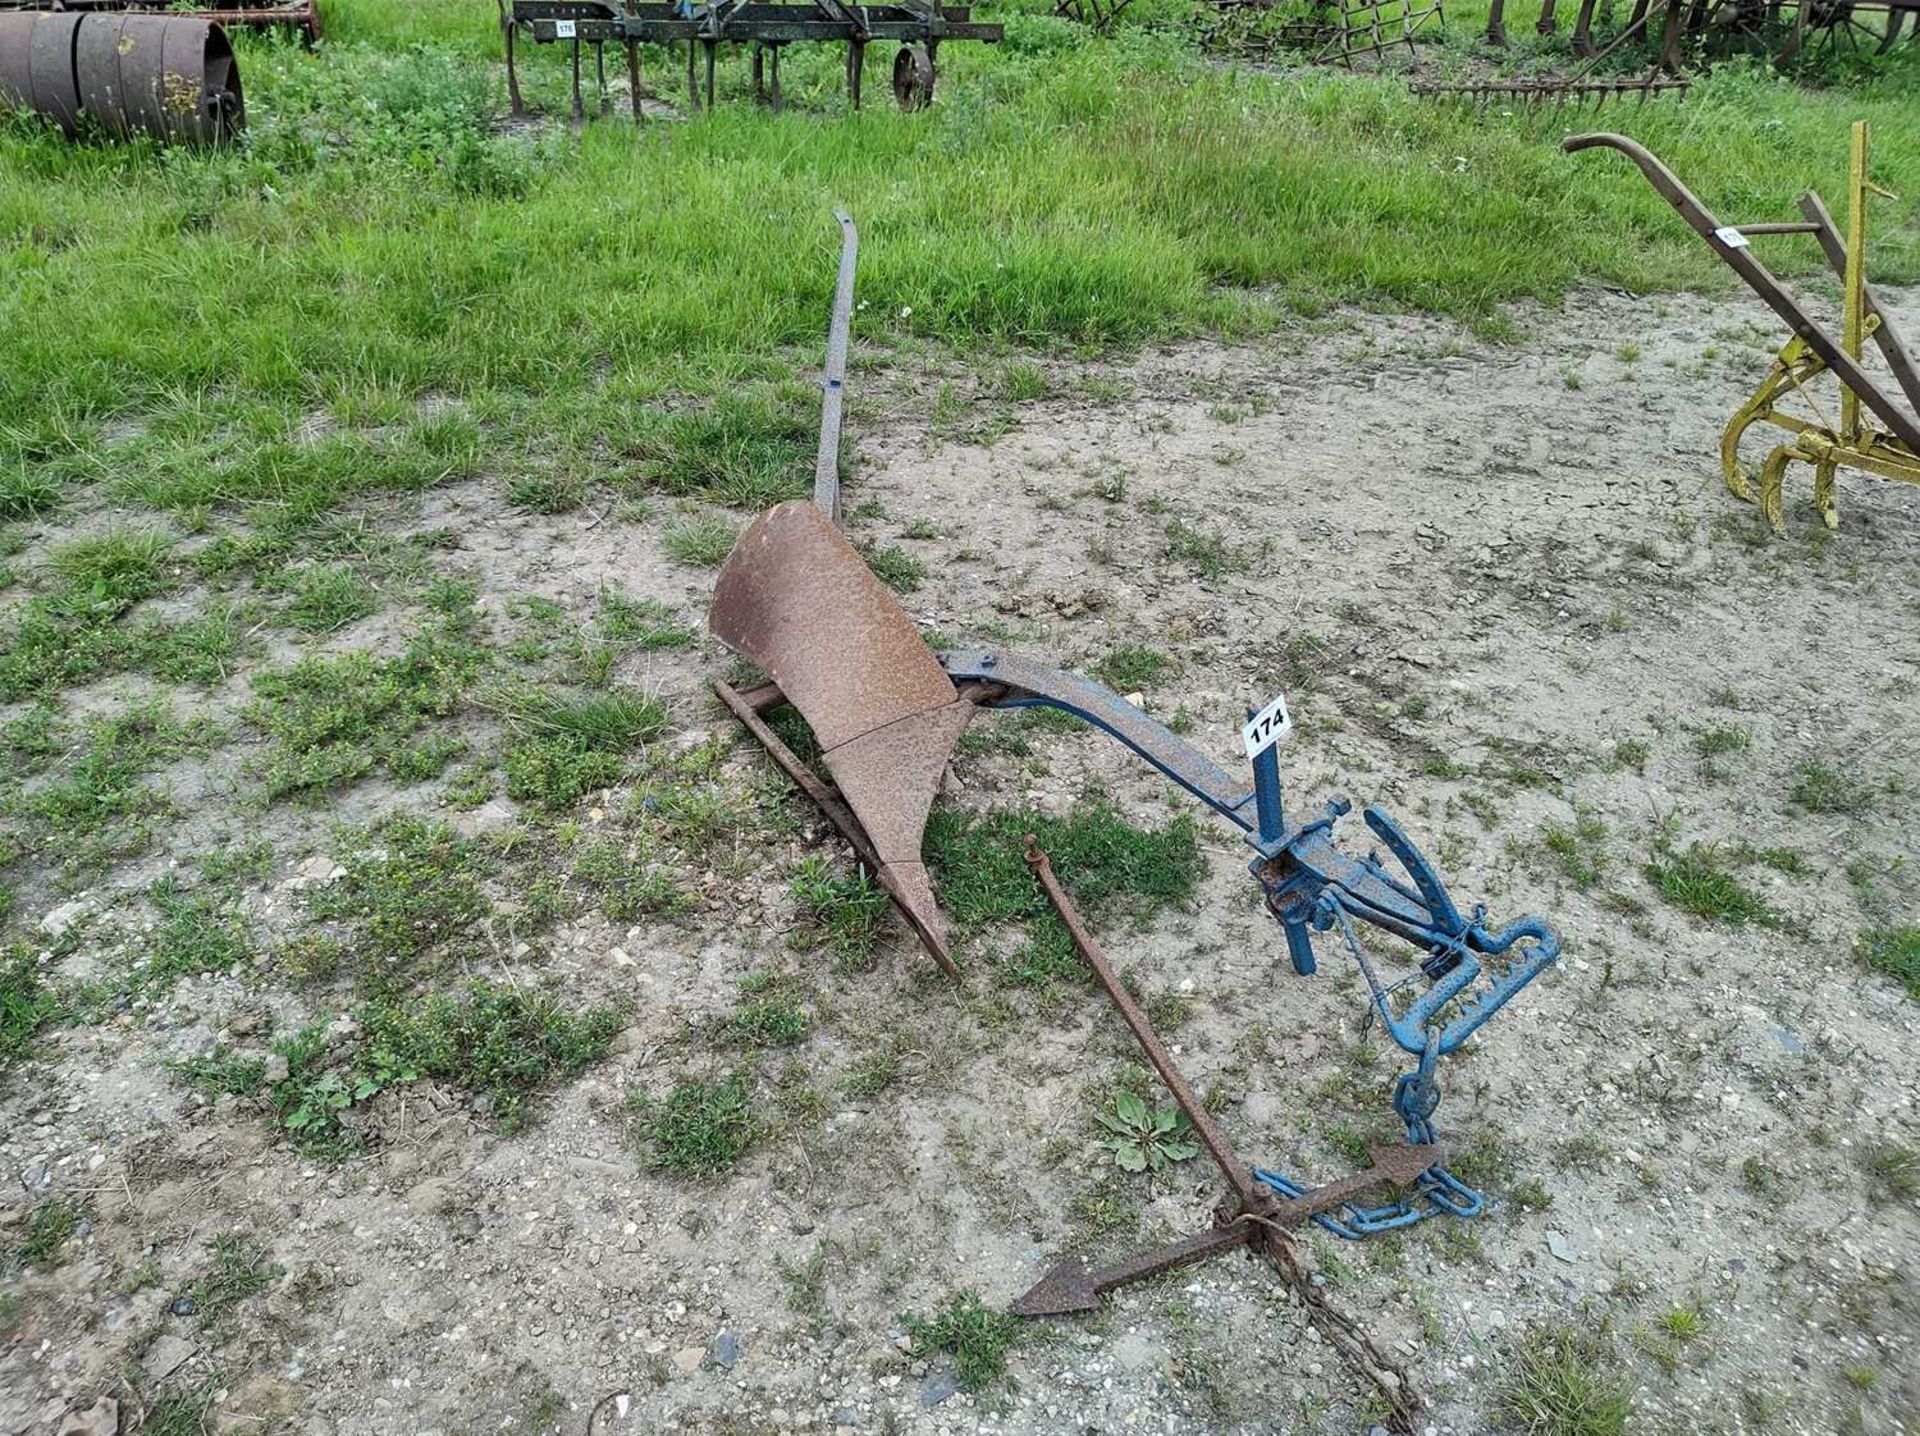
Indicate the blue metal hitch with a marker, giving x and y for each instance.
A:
(1311, 886)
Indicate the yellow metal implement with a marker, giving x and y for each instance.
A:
(1872, 431)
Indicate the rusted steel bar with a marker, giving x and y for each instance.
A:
(1236, 1172)
(841, 816)
(1070, 1286)
(1731, 247)
(833, 378)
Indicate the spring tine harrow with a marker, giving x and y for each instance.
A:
(1891, 453)
(919, 27)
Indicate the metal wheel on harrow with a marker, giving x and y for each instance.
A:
(913, 77)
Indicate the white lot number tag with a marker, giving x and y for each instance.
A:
(563, 29)
(1268, 727)
(1730, 237)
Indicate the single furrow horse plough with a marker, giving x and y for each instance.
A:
(1831, 439)
(797, 600)
(919, 26)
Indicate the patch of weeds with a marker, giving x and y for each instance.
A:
(1144, 1138)
(310, 957)
(102, 786)
(1683, 1322)
(702, 1128)
(26, 495)
(1758, 1176)
(1021, 380)
(558, 772)
(874, 1072)
(49, 1227)
(547, 493)
(310, 1099)
(179, 1415)
(845, 912)
(702, 542)
(1209, 555)
(1531, 1196)
(624, 879)
(408, 885)
(223, 1072)
(1632, 753)
(1580, 849)
(1047, 956)
(251, 861)
(642, 623)
(1130, 668)
(1100, 857)
(332, 720)
(1563, 1382)
(103, 576)
(615, 722)
(1722, 738)
(198, 933)
(974, 1334)
(1819, 789)
(327, 597)
(240, 1268)
(1695, 882)
(491, 1039)
(896, 568)
(1893, 1168)
(771, 1017)
(748, 449)
(26, 1003)
(1894, 951)
(807, 1282)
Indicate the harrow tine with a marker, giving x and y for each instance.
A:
(579, 108)
(633, 77)
(600, 77)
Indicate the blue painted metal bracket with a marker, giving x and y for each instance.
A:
(1312, 886)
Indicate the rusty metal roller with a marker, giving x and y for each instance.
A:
(170, 76)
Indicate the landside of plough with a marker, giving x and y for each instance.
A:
(797, 599)
(1828, 441)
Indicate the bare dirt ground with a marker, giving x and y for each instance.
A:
(1508, 600)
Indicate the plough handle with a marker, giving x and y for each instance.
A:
(1731, 246)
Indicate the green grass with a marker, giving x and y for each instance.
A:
(702, 542)
(1129, 668)
(1696, 882)
(49, 1226)
(618, 308)
(26, 1003)
(701, 1128)
(1894, 951)
(409, 885)
(198, 932)
(1103, 860)
(896, 568)
(239, 1267)
(490, 1039)
(641, 623)
(331, 721)
(1820, 789)
(1562, 1381)
(327, 597)
(975, 1335)
(845, 912)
